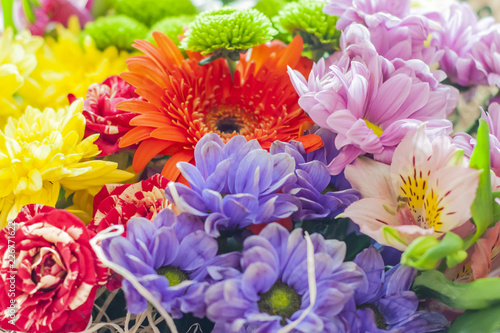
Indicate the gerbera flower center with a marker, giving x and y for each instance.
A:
(376, 130)
(227, 120)
(281, 300)
(173, 274)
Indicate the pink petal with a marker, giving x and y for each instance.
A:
(371, 216)
(346, 156)
(371, 178)
(391, 95)
(455, 189)
(411, 158)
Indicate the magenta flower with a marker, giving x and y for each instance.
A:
(486, 52)
(458, 37)
(426, 191)
(407, 38)
(370, 102)
(356, 11)
(393, 32)
(58, 11)
(102, 116)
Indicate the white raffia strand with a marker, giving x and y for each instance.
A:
(117, 230)
(311, 279)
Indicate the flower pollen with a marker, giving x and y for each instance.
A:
(174, 275)
(281, 300)
(227, 120)
(376, 130)
(422, 201)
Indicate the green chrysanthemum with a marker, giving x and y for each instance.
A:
(270, 8)
(228, 29)
(115, 30)
(171, 26)
(151, 11)
(307, 19)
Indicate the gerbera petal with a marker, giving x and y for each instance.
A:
(170, 170)
(148, 149)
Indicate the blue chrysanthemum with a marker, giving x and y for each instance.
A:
(313, 180)
(273, 289)
(326, 154)
(173, 258)
(234, 185)
(384, 302)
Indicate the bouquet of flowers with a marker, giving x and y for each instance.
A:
(267, 166)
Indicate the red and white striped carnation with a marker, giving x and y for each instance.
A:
(56, 272)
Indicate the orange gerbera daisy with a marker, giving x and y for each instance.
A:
(183, 100)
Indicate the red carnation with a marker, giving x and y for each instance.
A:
(116, 204)
(55, 274)
(99, 109)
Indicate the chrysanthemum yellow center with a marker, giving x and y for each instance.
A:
(376, 130)
(428, 41)
(281, 300)
(174, 275)
(228, 120)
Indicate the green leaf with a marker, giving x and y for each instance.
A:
(8, 19)
(496, 208)
(481, 208)
(484, 321)
(475, 295)
(28, 10)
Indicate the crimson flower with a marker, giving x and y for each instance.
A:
(52, 282)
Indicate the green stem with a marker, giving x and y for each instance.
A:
(28, 10)
(317, 54)
(8, 18)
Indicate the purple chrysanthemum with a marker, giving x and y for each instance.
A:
(173, 258)
(326, 154)
(234, 185)
(458, 37)
(313, 179)
(371, 102)
(273, 289)
(384, 302)
(394, 32)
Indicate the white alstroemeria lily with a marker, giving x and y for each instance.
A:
(426, 191)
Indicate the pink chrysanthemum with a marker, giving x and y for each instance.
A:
(371, 102)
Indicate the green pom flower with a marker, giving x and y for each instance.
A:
(307, 19)
(228, 31)
(151, 11)
(172, 27)
(115, 30)
(270, 8)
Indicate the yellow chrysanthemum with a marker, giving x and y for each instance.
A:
(44, 150)
(67, 65)
(17, 61)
